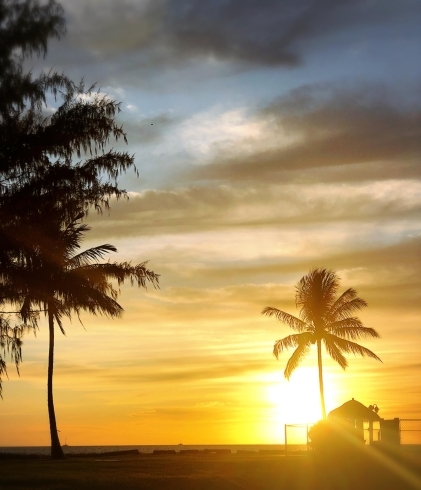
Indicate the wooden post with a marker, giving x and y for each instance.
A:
(286, 442)
(370, 431)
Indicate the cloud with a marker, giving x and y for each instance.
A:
(128, 24)
(206, 135)
(340, 134)
(204, 364)
(403, 255)
(222, 207)
(143, 130)
(257, 32)
(388, 277)
(203, 374)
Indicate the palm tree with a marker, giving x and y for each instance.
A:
(323, 317)
(60, 282)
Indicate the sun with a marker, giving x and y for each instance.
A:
(297, 401)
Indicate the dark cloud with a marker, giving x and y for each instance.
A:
(266, 32)
(341, 136)
(258, 32)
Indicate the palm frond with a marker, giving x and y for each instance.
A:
(346, 308)
(91, 255)
(300, 352)
(345, 297)
(81, 295)
(351, 328)
(351, 347)
(292, 341)
(315, 293)
(98, 304)
(58, 309)
(336, 354)
(284, 344)
(121, 271)
(290, 320)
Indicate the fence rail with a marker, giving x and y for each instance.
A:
(296, 435)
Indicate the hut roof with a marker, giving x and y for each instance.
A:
(353, 410)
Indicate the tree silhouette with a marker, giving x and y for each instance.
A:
(53, 170)
(55, 279)
(10, 343)
(25, 27)
(324, 318)
(38, 167)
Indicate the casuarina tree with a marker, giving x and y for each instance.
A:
(25, 27)
(37, 152)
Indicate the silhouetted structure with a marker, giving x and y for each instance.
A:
(356, 414)
(390, 432)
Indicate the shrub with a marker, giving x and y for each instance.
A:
(334, 437)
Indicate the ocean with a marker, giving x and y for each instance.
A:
(45, 450)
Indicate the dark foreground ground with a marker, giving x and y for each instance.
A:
(371, 471)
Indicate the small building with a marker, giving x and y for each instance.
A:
(355, 413)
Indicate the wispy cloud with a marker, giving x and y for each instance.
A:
(342, 136)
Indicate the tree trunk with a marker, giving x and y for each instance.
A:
(56, 450)
(322, 391)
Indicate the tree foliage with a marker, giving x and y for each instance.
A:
(54, 277)
(55, 166)
(335, 439)
(25, 28)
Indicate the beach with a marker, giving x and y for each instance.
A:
(214, 471)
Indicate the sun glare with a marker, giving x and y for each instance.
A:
(297, 401)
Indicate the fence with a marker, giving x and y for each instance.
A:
(410, 431)
(296, 435)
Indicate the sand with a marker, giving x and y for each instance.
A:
(208, 472)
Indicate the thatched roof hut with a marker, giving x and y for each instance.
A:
(354, 410)
(356, 413)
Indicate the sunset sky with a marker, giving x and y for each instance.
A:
(271, 137)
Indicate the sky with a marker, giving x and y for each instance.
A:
(271, 137)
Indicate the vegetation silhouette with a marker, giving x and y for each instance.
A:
(45, 193)
(324, 318)
(61, 282)
(25, 28)
(335, 438)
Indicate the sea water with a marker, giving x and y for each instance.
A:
(45, 450)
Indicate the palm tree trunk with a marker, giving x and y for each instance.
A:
(322, 391)
(56, 450)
